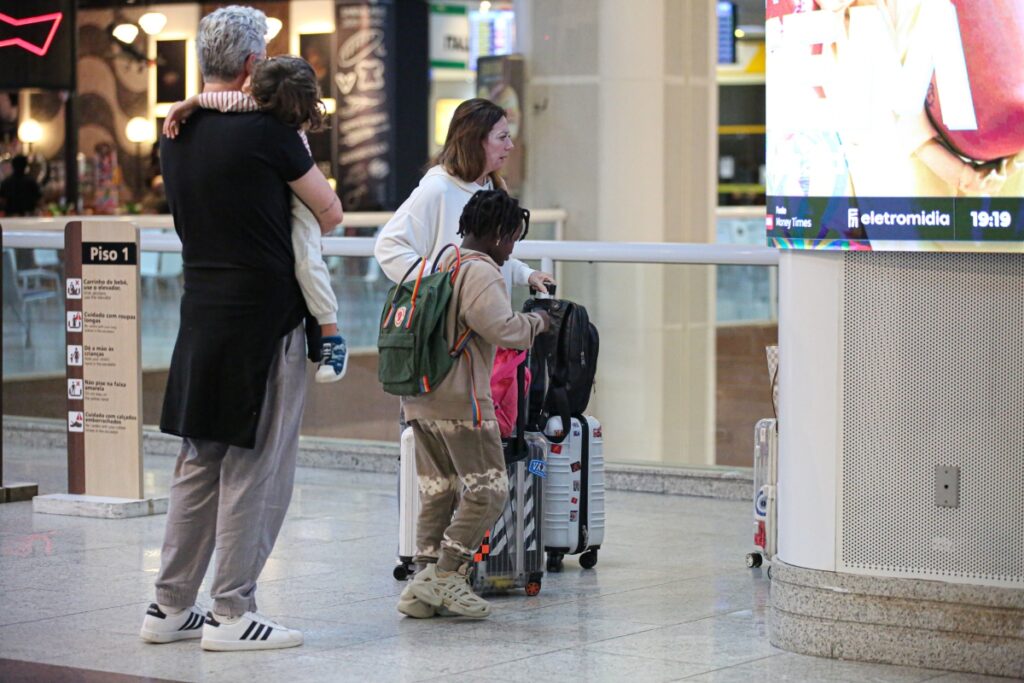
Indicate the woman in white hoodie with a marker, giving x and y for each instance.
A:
(476, 148)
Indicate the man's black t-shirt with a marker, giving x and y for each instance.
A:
(226, 181)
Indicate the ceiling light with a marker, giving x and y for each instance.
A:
(139, 130)
(153, 22)
(274, 27)
(485, 7)
(126, 33)
(30, 131)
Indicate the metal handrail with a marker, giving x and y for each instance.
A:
(592, 252)
(740, 212)
(47, 233)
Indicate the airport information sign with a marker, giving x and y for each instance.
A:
(104, 375)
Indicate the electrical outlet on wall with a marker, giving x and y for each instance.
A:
(947, 486)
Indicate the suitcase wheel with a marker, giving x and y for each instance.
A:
(532, 588)
(402, 572)
(555, 562)
(753, 560)
(589, 559)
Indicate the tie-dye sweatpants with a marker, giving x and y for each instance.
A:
(459, 466)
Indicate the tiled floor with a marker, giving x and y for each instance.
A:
(669, 600)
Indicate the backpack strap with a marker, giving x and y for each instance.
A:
(557, 401)
(521, 404)
(458, 258)
(457, 350)
(462, 342)
(556, 398)
(422, 262)
(478, 419)
(415, 294)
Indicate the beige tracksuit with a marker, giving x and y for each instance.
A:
(458, 444)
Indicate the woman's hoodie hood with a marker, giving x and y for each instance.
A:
(470, 187)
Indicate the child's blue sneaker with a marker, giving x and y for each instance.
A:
(333, 360)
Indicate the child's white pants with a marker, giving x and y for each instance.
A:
(310, 269)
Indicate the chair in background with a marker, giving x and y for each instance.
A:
(161, 272)
(22, 288)
(49, 259)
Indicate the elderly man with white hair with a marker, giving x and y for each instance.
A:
(236, 386)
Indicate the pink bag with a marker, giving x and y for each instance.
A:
(504, 390)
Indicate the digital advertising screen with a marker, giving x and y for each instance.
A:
(37, 44)
(895, 124)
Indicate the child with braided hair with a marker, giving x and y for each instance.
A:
(458, 442)
(286, 87)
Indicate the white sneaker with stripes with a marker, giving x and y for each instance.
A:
(162, 627)
(251, 631)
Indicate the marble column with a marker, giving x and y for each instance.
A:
(622, 111)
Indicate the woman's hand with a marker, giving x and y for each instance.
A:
(178, 114)
(540, 281)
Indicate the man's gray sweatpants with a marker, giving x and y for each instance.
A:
(235, 498)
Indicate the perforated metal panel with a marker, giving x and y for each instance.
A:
(933, 375)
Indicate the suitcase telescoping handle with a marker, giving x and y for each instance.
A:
(537, 294)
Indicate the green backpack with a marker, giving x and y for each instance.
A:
(415, 355)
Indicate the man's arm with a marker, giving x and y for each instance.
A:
(313, 190)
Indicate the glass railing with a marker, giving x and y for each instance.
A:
(681, 381)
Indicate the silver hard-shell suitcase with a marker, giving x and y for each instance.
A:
(574, 509)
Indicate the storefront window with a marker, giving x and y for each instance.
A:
(741, 108)
(461, 33)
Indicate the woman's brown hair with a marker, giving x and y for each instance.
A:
(463, 152)
(286, 87)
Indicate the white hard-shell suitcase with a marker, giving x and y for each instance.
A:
(766, 472)
(574, 515)
(408, 506)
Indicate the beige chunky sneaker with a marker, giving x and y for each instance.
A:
(448, 590)
(411, 606)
